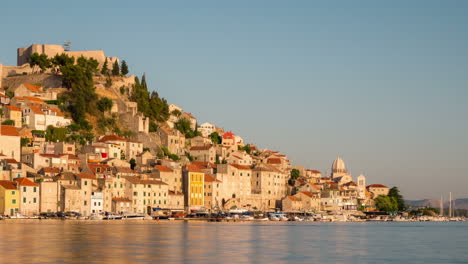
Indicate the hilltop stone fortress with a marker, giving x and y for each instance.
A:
(22, 64)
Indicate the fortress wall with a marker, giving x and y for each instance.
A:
(52, 50)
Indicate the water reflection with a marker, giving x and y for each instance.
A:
(55, 241)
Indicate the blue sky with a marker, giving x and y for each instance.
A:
(384, 85)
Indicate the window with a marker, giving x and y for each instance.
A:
(85, 182)
(24, 200)
(13, 192)
(24, 189)
(35, 189)
(135, 193)
(121, 185)
(85, 202)
(115, 185)
(34, 200)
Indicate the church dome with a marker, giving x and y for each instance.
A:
(338, 166)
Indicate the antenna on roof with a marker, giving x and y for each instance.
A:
(67, 45)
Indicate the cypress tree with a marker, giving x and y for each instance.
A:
(124, 68)
(105, 68)
(116, 69)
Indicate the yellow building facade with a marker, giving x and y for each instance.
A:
(194, 181)
(9, 198)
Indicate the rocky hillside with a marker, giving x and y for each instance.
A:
(46, 80)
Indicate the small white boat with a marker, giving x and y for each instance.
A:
(283, 218)
(112, 217)
(246, 218)
(274, 218)
(134, 217)
(96, 217)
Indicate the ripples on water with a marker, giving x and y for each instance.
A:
(55, 241)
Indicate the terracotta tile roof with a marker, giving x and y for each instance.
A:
(209, 178)
(71, 156)
(111, 138)
(12, 161)
(314, 171)
(56, 111)
(13, 108)
(315, 186)
(162, 168)
(8, 131)
(83, 175)
(206, 147)
(35, 99)
(124, 170)
(240, 167)
(204, 164)
(274, 161)
(121, 199)
(93, 167)
(9, 185)
(33, 88)
(308, 194)
(36, 110)
(193, 168)
(50, 170)
(292, 198)
(228, 135)
(377, 186)
(25, 182)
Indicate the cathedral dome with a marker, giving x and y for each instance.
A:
(338, 166)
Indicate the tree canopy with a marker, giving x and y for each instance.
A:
(124, 68)
(395, 193)
(151, 105)
(104, 104)
(215, 138)
(39, 60)
(116, 69)
(386, 203)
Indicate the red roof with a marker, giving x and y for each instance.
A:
(228, 135)
(206, 147)
(193, 168)
(83, 175)
(308, 194)
(121, 199)
(36, 110)
(9, 185)
(25, 182)
(274, 161)
(204, 164)
(51, 169)
(162, 168)
(11, 161)
(34, 88)
(292, 198)
(314, 171)
(8, 131)
(209, 178)
(377, 186)
(111, 138)
(35, 99)
(13, 108)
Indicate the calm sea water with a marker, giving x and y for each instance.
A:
(55, 241)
